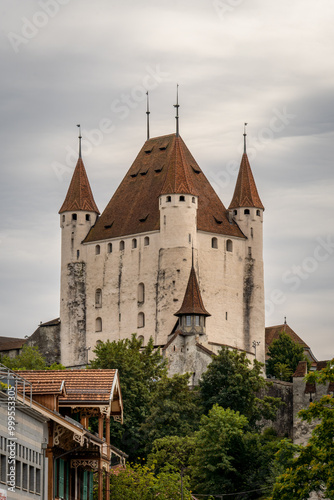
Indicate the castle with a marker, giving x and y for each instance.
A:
(165, 259)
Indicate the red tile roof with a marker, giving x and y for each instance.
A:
(81, 385)
(79, 195)
(301, 370)
(164, 165)
(192, 302)
(245, 193)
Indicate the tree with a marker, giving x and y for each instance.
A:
(29, 359)
(228, 458)
(285, 355)
(310, 468)
(140, 482)
(171, 452)
(139, 368)
(231, 383)
(174, 409)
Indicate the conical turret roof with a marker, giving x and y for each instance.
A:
(163, 166)
(192, 302)
(245, 193)
(79, 195)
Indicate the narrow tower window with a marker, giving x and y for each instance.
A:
(134, 243)
(141, 339)
(196, 320)
(193, 199)
(258, 212)
(229, 246)
(63, 218)
(214, 243)
(141, 320)
(168, 199)
(182, 198)
(188, 320)
(146, 241)
(246, 211)
(74, 216)
(109, 247)
(87, 217)
(235, 212)
(98, 325)
(251, 232)
(141, 293)
(97, 250)
(98, 297)
(121, 245)
(78, 254)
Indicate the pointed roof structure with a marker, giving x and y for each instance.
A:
(164, 165)
(245, 193)
(192, 302)
(79, 195)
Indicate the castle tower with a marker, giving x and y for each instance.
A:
(247, 210)
(77, 215)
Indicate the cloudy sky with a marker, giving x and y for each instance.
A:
(264, 62)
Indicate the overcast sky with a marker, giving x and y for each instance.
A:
(264, 62)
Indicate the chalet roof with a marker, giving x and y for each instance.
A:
(82, 386)
(164, 165)
(79, 195)
(9, 343)
(272, 333)
(192, 302)
(245, 193)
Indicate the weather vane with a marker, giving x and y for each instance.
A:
(148, 117)
(245, 135)
(80, 137)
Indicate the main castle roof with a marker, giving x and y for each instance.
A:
(163, 166)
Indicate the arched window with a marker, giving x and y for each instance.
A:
(193, 199)
(141, 320)
(98, 325)
(141, 292)
(141, 338)
(134, 243)
(258, 212)
(168, 199)
(121, 245)
(98, 297)
(74, 216)
(182, 198)
(109, 247)
(214, 243)
(97, 250)
(229, 245)
(246, 211)
(146, 241)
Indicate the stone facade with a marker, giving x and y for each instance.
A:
(47, 338)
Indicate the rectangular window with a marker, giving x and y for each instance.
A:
(3, 471)
(188, 320)
(31, 478)
(18, 474)
(196, 320)
(38, 480)
(25, 476)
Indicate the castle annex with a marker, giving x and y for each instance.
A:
(165, 259)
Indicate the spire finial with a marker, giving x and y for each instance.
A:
(192, 255)
(285, 320)
(245, 135)
(80, 137)
(148, 116)
(177, 110)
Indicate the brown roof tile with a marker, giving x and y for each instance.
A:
(192, 302)
(81, 385)
(301, 370)
(9, 343)
(272, 333)
(164, 165)
(245, 193)
(79, 195)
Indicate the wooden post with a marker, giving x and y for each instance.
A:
(100, 492)
(49, 455)
(108, 437)
(100, 426)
